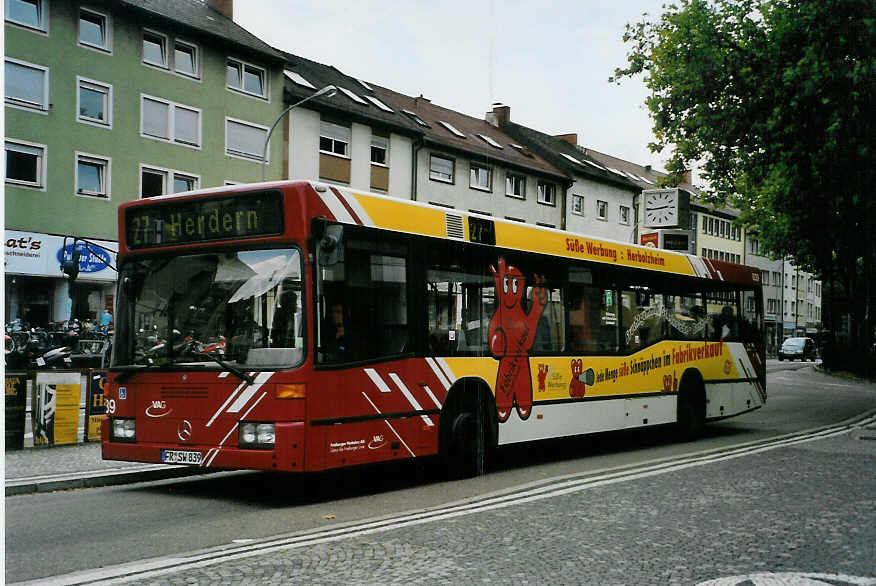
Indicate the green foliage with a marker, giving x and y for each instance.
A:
(773, 100)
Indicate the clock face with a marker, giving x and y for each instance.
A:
(661, 208)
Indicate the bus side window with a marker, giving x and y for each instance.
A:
(642, 317)
(550, 334)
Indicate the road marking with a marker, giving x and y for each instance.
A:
(151, 568)
(791, 579)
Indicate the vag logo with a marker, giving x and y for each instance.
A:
(377, 442)
(157, 409)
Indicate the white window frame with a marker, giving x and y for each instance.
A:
(165, 44)
(107, 47)
(108, 109)
(338, 134)
(43, 13)
(196, 58)
(509, 181)
(242, 65)
(482, 168)
(439, 175)
(256, 157)
(384, 146)
(172, 107)
(542, 188)
(623, 215)
(602, 210)
(168, 177)
(579, 208)
(106, 163)
(25, 146)
(21, 104)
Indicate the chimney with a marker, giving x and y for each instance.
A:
(687, 177)
(422, 98)
(226, 7)
(571, 138)
(648, 168)
(502, 114)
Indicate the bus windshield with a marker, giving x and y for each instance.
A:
(241, 308)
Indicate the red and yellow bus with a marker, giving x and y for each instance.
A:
(300, 326)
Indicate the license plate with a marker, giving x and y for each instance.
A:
(180, 457)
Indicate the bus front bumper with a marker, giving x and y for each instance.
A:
(286, 455)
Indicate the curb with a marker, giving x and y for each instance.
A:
(37, 484)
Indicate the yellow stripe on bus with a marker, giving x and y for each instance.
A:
(404, 217)
(574, 246)
(395, 215)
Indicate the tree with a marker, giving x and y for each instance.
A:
(773, 101)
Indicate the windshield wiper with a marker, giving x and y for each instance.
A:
(229, 367)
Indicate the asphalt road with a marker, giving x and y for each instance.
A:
(56, 533)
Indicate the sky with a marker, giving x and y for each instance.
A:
(548, 61)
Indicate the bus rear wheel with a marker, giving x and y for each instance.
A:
(691, 408)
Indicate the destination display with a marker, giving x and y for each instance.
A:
(245, 215)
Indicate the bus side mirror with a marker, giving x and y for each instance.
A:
(329, 247)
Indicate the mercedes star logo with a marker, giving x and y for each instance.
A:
(184, 430)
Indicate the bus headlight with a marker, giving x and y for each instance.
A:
(123, 430)
(256, 435)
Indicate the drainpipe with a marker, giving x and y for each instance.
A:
(415, 149)
(564, 212)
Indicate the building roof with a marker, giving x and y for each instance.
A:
(303, 77)
(570, 158)
(454, 131)
(200, 16)
(650, 178)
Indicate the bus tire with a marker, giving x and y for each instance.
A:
(468, 430)
(691, 406)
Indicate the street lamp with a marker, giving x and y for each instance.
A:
(329, 89)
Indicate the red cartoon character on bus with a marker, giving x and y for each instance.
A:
(580, 378)
(511, 334)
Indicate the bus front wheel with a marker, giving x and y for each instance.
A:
(466, 455)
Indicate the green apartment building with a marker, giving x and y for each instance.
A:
(111, 101)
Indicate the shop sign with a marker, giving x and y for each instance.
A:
(37, 254)
(95, 404)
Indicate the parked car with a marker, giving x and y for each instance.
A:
(802, 348)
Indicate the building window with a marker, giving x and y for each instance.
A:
(26, 164)
(481, 177)
(601, 210)
(94, 102)
(27, 85)
(185, 59)
(515, 185)
(94, 30)
(334, 139)
(705, 224)
(624, 212)
(154, 182)
(578, 204)
(379, 150)
(441, 168)
(246, 78)
(547, 193)
(92, 176)
(244, 139)
(155, 49)
(169, 121)
(29, 13)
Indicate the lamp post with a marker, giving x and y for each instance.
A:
(329, 89)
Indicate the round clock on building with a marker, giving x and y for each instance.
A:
(661, 207)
